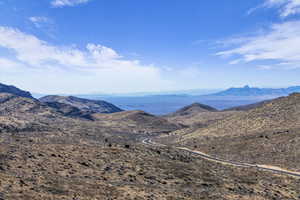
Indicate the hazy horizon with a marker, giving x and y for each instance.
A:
(197, 91)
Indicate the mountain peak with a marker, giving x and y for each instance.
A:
(254, 91)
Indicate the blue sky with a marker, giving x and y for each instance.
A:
(120, 46)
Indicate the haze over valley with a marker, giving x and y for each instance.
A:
(161, 104)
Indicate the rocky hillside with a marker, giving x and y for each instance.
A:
(35, 170)
(70, 111)
(283, 112)
(13, 90)
(268, 134)
(83, 104)
(248, 107)
(19, 114)
(25, 114)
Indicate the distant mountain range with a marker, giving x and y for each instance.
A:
(245, 91)
(160, 104)
(254, 91)
(234, 91)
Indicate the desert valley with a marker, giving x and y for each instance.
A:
(78, 149)
(149, 100)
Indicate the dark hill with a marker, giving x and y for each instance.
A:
(96, 106)
(70, 111)
(13, 90)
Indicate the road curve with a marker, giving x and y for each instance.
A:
(148, 141)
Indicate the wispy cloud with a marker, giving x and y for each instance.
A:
(44, 24)
(286, 7)
(63, 3)
(281, 43)
(39, 21)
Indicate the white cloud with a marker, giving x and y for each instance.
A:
(38, 19)
(62, 3)
(281, 44)
(44, 24)
(33, 51)
(102, 53)
(42, 67)
(286, 7)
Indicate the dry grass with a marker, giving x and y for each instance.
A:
(75, 171)
(269, 134)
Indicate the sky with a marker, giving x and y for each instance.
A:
(126, 46)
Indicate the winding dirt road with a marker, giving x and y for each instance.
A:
(205, 156)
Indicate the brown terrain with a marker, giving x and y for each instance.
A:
(33, 169)
(192, 118)
(197, 115)
(267, 134)
(136, 122)
(60, 151)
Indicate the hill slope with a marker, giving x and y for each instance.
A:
(136, 122)
(197, 115)
(83, 104)
(193, 109)
(248, 107)
(19, 115)
(25, 114)
(70, 111)
(269, 134)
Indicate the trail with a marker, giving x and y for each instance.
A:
(205, 156)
